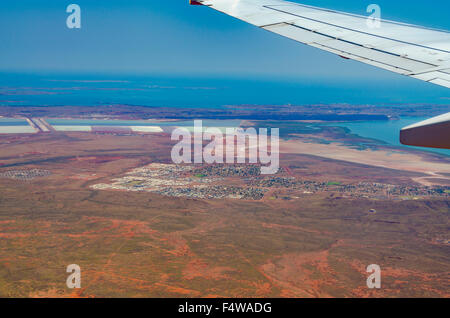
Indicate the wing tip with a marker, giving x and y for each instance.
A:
(432, 133)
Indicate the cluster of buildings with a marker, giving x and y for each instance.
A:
(230, 170)
(401, 190)
(219, 182)
(362, 189)
(186, 181)
(215, 192)
(25, 175)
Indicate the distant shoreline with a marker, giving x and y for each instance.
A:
(341, 112)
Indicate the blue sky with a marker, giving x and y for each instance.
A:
(170, 37)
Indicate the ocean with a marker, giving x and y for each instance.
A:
(205, 92)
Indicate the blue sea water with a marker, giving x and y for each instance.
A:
(211, 92)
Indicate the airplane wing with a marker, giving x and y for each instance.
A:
(413, 51)
(419, 134)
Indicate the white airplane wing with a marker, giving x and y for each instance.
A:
(413, 51)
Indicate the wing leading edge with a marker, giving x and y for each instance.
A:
(413, 51)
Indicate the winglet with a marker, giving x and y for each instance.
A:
(195, 3)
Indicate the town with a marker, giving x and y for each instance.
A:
(244, 181)
(25, 175)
